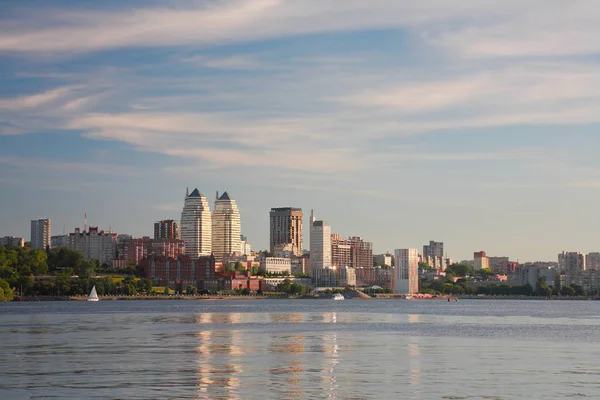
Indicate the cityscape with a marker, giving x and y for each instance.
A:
(205, 250)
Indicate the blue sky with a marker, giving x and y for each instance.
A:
(475, 124)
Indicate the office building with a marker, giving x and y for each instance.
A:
(286, 227)
(245, 247)
(41, 233)
(384, 260)
(320, 244)
(406, 272)
(276, 265)
(196, 225)
(226, 227)
(166, 229)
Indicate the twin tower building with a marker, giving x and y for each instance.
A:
(204, 233)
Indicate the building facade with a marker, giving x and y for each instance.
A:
(320, 245)
(334, 277)
(353, 252)
(592, 262)
(134, 250)
(179, 273)
(166, 229)
(341, 251)
(12, 241)
(41, 233)
(286, 227)
(480, 261)
(384, 260)
(434, 249)
(379, 276)
(573, 266)
(226, 227)
(245, 247)
(196, 225)
(276, 265)
(406, 272)
(94, 244)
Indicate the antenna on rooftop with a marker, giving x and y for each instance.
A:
(84, 222)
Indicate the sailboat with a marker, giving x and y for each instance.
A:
(93, 295)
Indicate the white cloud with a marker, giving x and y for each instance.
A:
(474, 27)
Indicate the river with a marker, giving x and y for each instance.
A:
(297, 349)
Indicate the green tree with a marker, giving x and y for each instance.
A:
(239, 267)
(166, 291)
(579, 291)
(6, 293)
(460, 270)
(425, 266)
(567, 291)
(191, 290)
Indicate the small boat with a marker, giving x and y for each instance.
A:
(93, 295)
(338, 296)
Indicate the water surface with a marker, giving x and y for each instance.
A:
(296, 349)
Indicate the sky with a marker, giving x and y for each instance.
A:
(474, 123)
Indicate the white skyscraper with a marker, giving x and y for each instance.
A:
(226, 227)
(405, 279)
(41, 233)
(196, 225)
(320, 244)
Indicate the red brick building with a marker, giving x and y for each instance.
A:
(178, 273)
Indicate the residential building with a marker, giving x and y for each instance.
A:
(320, 244)
(434, 249)
(94, 244)
(166, 229)
(226, 227)
(592, 262)
(437, 263)
(276, 265)
(59, 241)
(196, 225)
(406, 272)
(179, 273)
(531, 275)
(245, 247)
(385, 260)
(352, 252)
(286, 227)
(134, 250)
(379, 276)
(272, 283)
(573, 265)
(12, 241)
(41, 233)
(341, 251)
(480, 261)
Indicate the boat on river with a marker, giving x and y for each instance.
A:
(93, 295)
(338, 296)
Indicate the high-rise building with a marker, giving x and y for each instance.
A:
(226, 227)
(320, 245)
(573, 265)
(196, 225)
(592, 262)
(434, 249)
(41, 233)
(353, 252)
(245, 247)
(406, 272)
(480, 261)
(94, 244)
(166, 229)
(286, 227)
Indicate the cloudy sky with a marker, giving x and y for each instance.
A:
(474, 122)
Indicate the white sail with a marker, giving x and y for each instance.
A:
(93, 295)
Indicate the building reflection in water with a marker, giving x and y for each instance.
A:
(287, 317)
(287, 375)
(414, 362)
(217, 372)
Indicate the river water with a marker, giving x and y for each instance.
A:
(297, 349)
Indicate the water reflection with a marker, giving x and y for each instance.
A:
(287, 317)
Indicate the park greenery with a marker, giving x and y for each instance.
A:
(61, 272)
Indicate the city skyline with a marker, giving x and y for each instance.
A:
(399, 121)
